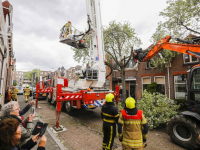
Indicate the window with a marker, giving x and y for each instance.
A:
(160, 84)
(179, 86)
(195, 79)
(131, 64)
(145, 82)
(149, 65)
(20, 72)
(41, 72)
(189, 59)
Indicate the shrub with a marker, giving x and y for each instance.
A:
(157, 108)
(152, 88)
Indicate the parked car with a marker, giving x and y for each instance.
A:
(20, 90)
(42, 96)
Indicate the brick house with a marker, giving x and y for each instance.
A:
(139, 75)
(7, 60)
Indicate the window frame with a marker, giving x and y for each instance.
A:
(190, 58)
(179, 83)
(164, 81)
(142, 81)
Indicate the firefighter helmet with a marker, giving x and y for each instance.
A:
(27, 86)
(130, 103)
(109, 97)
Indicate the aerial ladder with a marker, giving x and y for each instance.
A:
(88, 91)
(184, 128)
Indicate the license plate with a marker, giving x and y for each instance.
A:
(91, 106)
(44, 94)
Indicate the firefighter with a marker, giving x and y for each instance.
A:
(135, 127)
(13, 93)
(27, 91)
(68, 27)
(110, 116)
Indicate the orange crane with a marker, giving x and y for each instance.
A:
(184, 128)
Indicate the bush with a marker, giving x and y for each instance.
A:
(152, 88)
(157, 108)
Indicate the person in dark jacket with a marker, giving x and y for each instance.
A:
(110, 116)
(10, 134)
(12, 109)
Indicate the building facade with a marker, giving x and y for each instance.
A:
(7, 60)
(169, 81)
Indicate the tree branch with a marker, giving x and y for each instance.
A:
(189, 28)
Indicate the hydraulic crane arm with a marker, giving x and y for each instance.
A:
(191, 48)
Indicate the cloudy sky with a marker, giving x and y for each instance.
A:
(37, 24)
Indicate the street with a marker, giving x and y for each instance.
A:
(84, 129)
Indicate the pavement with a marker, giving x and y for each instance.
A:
(53, 143)
(84, 130)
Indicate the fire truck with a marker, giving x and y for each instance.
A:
(183, 128)
(88, 91)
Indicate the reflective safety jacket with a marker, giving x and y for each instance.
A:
(109, 113)
(27, 91)
(13, 91)
(135, 129)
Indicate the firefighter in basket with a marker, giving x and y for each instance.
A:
(135, 127)
(27, 92)
(110, 117)
(13, 93)
(68, 28)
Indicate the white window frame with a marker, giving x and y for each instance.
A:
(158, 83)
(142, 81)
(179, 83)
(190, 57)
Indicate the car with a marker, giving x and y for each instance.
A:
(20, 90)
(42, 96)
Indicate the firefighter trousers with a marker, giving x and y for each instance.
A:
(26, 97)
(109, 133)
(127, 148)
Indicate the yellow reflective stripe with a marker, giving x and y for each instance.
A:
(116, 115)
(110, 121)
(144, 136)
(104, 143)
(107, 114)
(132, 122)
(138, 144)
(144, 122)
(121, 121)
(111, 133)
(132, 140)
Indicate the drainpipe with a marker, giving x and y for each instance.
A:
(168, 81)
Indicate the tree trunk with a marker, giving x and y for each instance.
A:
(123, 84)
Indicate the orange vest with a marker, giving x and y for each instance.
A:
(127, 116)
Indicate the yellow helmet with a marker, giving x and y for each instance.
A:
(130, 103)
(27, 86)
(109, 97)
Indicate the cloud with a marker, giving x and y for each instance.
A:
(37, 24)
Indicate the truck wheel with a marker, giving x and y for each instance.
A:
(68, 107)
(183, 131)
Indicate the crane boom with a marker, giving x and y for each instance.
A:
(190, 49)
